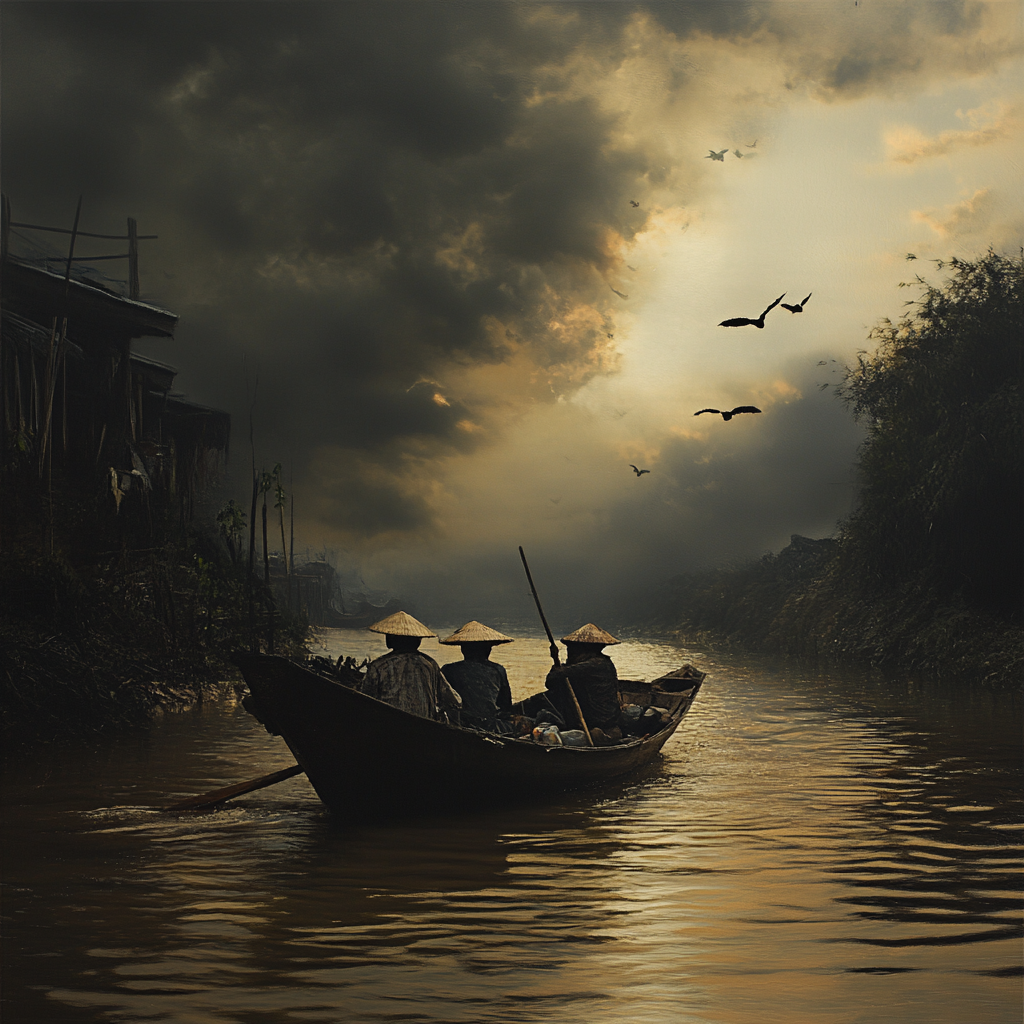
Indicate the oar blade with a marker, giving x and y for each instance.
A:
(238, 789)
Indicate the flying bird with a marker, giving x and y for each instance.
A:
(727, 414)
(633, 203)
(738, 153)
(720, 157)
(617, 292)
(639, 472)
(744, 321)
(911, 256)
(799, 308)
(751, 145)
(634, 269)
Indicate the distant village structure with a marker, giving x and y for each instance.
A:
(88, 424)
(100, 455)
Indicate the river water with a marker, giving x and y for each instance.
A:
(814, 846)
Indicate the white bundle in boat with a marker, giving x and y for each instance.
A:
(548, 735)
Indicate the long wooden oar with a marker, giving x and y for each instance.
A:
(540, 611)
(554, 648)
(220, 795)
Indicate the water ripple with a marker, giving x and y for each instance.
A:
(809, 847)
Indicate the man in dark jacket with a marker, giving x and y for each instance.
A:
(593, 678)
(481, 683)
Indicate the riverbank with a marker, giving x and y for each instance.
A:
(805, 602)
(89, 647)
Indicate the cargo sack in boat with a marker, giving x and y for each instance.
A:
(654, 718)
(573, 738)
(631, 714)
(548, 735)
(547, 714)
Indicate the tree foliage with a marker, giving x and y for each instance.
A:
(942, 489)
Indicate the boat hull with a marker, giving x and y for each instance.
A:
(367, 759)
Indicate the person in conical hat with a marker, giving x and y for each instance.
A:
(401, 624)
(407, 678)
(593, 678)
(481, 683)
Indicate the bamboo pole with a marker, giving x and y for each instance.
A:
(56, 354)
(269, 593)
(133, 259)
(253, 643)
(252, 565)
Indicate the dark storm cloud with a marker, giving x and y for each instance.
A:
(843, 50)
(354, 197)
(303, 165)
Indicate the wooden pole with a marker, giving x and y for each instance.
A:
(547, 629)
(264, 483)
(5, 232)
(554, 650)
(291, 520)
(252, 566)
(56, 353)
(266, 555)
(5, 236)
(579, 713)
(133, 259)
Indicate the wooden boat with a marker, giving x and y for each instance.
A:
(367, 759)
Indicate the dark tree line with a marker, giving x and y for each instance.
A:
(942, 469)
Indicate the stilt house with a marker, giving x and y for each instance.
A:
(87, 421)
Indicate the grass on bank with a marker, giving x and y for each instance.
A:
(107, 642)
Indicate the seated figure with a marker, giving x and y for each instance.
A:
(481, 683)
(407, 678)
(593, 678)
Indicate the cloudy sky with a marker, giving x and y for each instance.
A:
(476, 253)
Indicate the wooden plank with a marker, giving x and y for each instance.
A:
(83, 234)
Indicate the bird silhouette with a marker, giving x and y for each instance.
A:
(744, 321)
(751, 145)
(554, 501)
(617, 292)
(720, 157)
(633, 203)
(728, 414)
(634, 269)
(799, 308)
(639, 472)
(911, 256)
(738, 153)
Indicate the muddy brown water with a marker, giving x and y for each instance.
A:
(813, 846)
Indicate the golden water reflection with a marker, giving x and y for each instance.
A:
(812, 847)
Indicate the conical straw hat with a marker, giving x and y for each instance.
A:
(476, 633)
(590, 634)
(401, 624)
